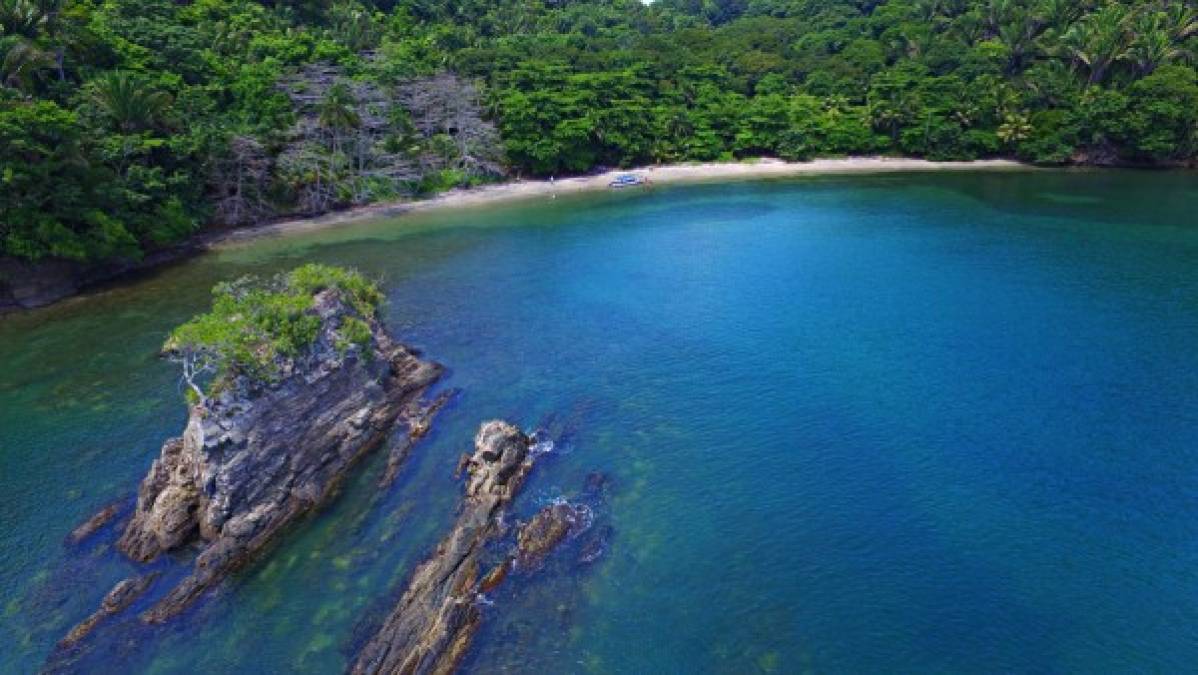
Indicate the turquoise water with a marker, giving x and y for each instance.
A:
(921, 423)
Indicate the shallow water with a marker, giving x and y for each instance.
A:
(920, 423)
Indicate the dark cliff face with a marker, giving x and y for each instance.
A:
(28, 285)
(258, 455)
(25, 285)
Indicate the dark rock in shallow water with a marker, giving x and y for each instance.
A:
(431, 628)
(419, 418)
(547, 529)
(495, 577)
(125, 593)
(598, 484)
(595, 545)
(90, 526)
(253, 459)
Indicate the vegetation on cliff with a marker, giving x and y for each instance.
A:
(126, 125)
(291, 409)
(256, 327)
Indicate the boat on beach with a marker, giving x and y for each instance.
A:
(626, 180)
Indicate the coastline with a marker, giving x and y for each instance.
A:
(668, 174)
(38, 285)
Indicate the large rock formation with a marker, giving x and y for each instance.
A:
(256, 456)
(435, 620)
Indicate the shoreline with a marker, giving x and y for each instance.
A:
(48, 284)
(666, 174)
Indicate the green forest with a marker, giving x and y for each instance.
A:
(129, 125)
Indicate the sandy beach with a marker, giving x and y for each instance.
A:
(654, 175)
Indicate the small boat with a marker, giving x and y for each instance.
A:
(626, 180)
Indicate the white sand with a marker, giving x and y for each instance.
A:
(655, 175)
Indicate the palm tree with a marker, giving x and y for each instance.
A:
(934, 12)
(1100, 40)
(908, 41)
(1154, 45)
(965, 115)
(131, 105)
(998, 12)
(23, 63)
(1051, 83)
(355, 28)
(1019, 35)
(889, 116)
(27, 18)
(336, 113)
(678, 124)
(835, 105)
(1015, 128)
(971, 27)
(1059, 14)
(1181, 21)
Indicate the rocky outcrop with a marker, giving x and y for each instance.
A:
(257, 456)
(125, 593)
(439, 613)
(432, 626)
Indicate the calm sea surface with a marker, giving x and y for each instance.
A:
(920, 423)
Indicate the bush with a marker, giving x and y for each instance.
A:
(1164, 120)
(255, 326)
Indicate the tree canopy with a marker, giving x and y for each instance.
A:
(127, 125)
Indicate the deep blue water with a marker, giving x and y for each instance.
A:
(920, 423)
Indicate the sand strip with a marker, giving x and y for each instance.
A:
(657, 175)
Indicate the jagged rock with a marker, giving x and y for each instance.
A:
(167, 502)
(125, 593)
(548, 528)
(460, 467)
(90, 526)
(258, 455)
(495, 577)
(435, 620)
(419, 418)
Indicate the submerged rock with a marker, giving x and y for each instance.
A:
(125, 593)
(597, 484)
(547, 529)
(90, 526)
(258, 455)
(595, 545)
(435, 620)
(418, 417)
